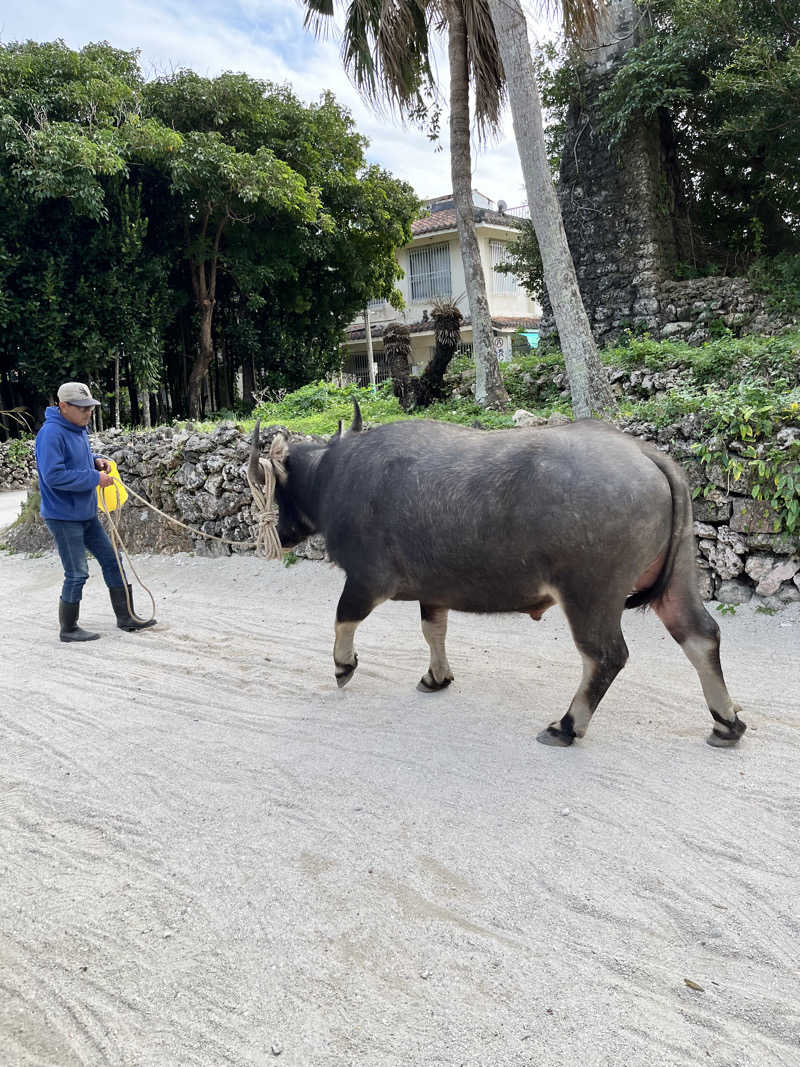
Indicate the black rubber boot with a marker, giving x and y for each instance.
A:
(68, 621)
(119, 603)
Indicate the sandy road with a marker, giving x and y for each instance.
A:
(211, 855)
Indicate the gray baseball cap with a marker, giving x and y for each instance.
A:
(78, 394)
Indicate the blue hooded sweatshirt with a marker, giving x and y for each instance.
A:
(67, 475)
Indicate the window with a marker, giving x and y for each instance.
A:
(430, 272)
(378, 303)
(503, 283)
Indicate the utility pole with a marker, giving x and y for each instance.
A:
(368, 334)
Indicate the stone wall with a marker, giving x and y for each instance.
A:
(197, 478)
(201, 479)
(625, 218)
(17, 467)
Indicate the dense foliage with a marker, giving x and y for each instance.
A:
(195, 229)
(726, 73)
(740, 393)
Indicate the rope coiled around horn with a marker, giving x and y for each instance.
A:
(268, 543)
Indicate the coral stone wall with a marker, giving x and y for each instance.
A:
(200, 479)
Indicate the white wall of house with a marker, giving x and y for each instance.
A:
(504, 295)
(425, 263)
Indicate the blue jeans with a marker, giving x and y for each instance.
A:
(72, 539)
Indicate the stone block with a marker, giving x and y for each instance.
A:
(769, 574)
(727, 536)
(779, 544)
(705, 584)
(722, 558)
(716, 507)
(753, 516)
(705, 531)
(673, 329)
(734, 592)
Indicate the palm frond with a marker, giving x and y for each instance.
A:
(485, 67)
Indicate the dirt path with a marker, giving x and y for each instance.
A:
(211, 855)
(11, 500)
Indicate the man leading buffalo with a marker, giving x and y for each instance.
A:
(69, 474)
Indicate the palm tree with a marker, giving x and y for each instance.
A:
(587, 378)
(386, 51)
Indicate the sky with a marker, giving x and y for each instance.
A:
(265, 39)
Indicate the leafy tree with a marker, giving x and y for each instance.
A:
(180, 226)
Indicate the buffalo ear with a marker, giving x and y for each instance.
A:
(278, 454)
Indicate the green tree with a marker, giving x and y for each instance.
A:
(727, 75)
(129, 214)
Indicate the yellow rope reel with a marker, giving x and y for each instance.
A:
(113, 496)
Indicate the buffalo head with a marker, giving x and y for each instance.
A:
(294, 472)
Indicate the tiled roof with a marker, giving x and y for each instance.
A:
(446, 220)
(502, 323)
(440, 220)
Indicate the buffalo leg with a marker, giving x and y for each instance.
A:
(353, 607)
(682, 612)
(434, 630)
(604, 654)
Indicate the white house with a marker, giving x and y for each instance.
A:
(433, 270)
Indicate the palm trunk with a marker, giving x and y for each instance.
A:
(588, 381)
(489, 388)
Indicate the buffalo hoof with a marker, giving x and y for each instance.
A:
(722, 742)
(555, 738)
(428, 684)
(727, 734)
(345, 671)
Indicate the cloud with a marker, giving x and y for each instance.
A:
(265, 39)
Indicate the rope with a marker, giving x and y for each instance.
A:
(116, 540)
(267, 542)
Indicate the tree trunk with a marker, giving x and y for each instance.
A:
(203, 361)
(588, 381)
(116, 390)
(446, 328)
(144, 400)
(205, 288)
(489, 388)
(397, 347)
(248, 382)
(133, 397)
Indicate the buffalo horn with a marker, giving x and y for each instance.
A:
(254, 467)
(356, 424)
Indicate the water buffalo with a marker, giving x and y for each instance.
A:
(579, 515)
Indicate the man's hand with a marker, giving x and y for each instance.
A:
(105, 479)
(102, 464)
